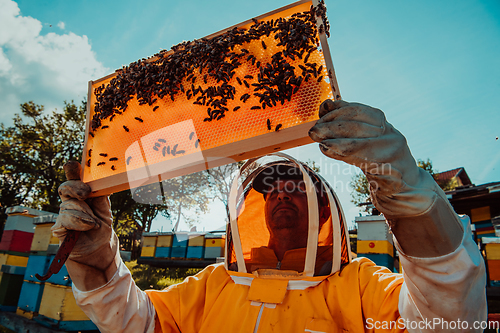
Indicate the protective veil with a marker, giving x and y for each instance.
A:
(248, 236)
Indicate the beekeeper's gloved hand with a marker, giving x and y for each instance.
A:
(417, 210)
(94, 258)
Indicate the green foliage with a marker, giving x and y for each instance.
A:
(148, 277)
(33, 151)
(361, 191)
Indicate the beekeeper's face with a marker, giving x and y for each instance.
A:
(286, 207)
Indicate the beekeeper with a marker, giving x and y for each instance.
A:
(288, 266)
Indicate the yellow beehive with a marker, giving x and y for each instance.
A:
(149, 241)
(375, 246)
(149, 245)
(25, 314)
(20, 261)
(164, 241)
(196, 240)
(58, 303)
(492, 251)
(258, 95)
(43, 237)
(214, 242)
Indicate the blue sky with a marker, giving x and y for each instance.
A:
(432, 66)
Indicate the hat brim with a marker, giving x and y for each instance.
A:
(270, 174)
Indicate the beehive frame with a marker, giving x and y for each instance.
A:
(197, 133)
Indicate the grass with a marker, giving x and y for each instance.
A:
(147, 277)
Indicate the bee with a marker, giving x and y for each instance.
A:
(88, 163)
(174, 149)
(278, 127)
(155, 108)
(248, 77)
(162, 140)
(128, 159)
(113, 159)
(191, 136)
(163, 151)
(157, 144)
(197, 142)
(139, 119)
(269, 124)
(155, 148)
(111, 119)
(125, 128)
(320, 78)
(255, 108)
(90, 152)
(239, 81)
(264, 45)
(91, 134)
(246, 84)
(113, 168)
(105, 126)
(103, 154)
(181, 152)
(168, 150)
(236, 108)
(100, 163)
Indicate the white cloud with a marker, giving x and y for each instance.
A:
(61, 25)
(47, 69)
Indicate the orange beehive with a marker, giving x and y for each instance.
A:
(251, 89)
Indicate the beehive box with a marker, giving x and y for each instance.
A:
(164, 245)
(214, 246)
(491, 247)
(58, 303)
(149, 245)
(251, 89)
(58, 310)
(196, 245)
(30, 298)
(43, 238)
(9, 260)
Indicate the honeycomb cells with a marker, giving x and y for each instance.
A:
(169, 128)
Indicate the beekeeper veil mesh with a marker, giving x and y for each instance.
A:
(248, 237)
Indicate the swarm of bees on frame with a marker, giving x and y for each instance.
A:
(162, 75)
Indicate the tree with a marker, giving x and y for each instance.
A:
(361, 192)
(220, 180)
(187, 197)
(33, 152)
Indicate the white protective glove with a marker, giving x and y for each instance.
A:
(416, 209)
(95, 257)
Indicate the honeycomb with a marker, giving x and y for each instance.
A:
(166, 128)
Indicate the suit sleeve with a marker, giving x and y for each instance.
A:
(119, 306)
(446, 293)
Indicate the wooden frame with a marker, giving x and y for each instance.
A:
(203, 159)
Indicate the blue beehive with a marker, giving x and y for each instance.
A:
(30, 297)
(163, 252)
